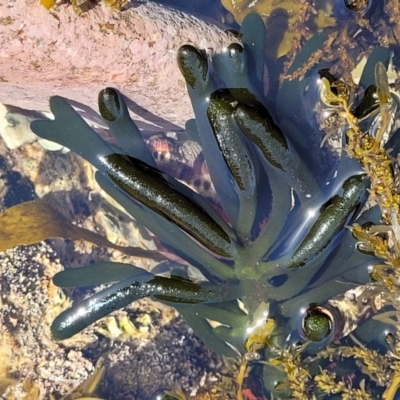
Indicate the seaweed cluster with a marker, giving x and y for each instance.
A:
(285, 18)
(290, 167)
(349, 28)
(272, 244)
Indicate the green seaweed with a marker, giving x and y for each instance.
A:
(277, 208)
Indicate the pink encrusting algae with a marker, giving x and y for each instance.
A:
(47, 52)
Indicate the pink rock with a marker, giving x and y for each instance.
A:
(43, 53)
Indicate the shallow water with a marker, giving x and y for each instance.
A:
(256, 203)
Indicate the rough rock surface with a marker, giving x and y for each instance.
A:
(158, 351)
(43, 53)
